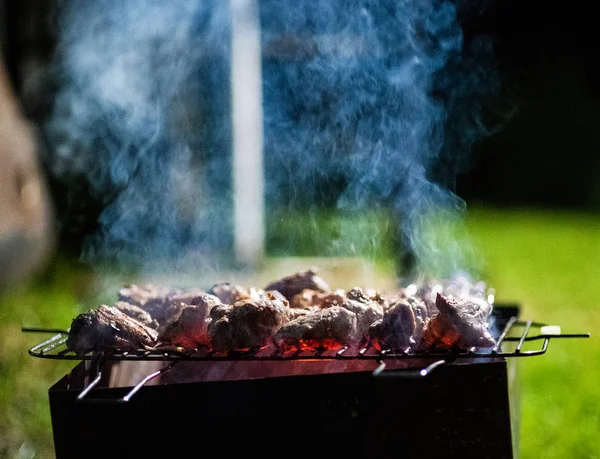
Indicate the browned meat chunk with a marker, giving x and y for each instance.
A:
(295, 283)
(137, 313)
(169, 314)
(308, 299)
(367, 311)
(108, 328)
(377, 296)
(248, 325)
(457, 286)
(139, 295)
(269, 295)
(329, 328)
(220, 310)
(398, 326)
(421, 317)
(460, 323)
(189, 328)
(164, 310)
(357, 294)
(294, 313)
(230, 293)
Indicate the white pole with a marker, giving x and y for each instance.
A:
(247, 121)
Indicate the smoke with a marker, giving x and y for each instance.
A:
(368, 104)
(141, 119)
(383, 97)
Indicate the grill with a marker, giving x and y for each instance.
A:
(356, 402)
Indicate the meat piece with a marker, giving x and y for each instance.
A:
(357, 294)
(303, 300)
(165, 309)
(139, 295)
(269, 295)
(308, 299)
(457, 286)
(366, 312)
(220, 333)
(295, 283)
(329, 328)
(460, 322)
(248, 325)
(294, 313)
(108, 328)
(169, 314)
(396, 329)
(190, 328)
(230, 293)
(220, 310)
(137, 313)
(421, 317)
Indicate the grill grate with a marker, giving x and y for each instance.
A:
(513, 331)
(55, 348)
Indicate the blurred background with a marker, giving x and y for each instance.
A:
(203, 141)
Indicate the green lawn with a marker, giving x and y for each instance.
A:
(546, 261)
(549, 262)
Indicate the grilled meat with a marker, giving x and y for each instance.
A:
(295, 283)
(137, 313)
(108, 328)
(460, 322)
(165, 309)
(421, 317)
(230, 293)
(296, 312)
(376, 296)
(308, 299)
(358, 294)
(220, 310)
(248, 324)
(329, 328)
(139, 295)
(367, 312)
(402, 324)
(397, 328)
(169, 313)
(458, 286)
(189, 329)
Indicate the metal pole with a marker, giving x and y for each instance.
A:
(247, 121)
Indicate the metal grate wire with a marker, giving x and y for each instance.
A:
(55, 348)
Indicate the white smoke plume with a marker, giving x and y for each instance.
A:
(377, 100)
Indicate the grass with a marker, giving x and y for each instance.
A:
(546, 261)
(49, 301)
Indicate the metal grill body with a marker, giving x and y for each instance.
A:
(460, 410)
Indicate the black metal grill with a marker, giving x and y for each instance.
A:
(356, 402)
